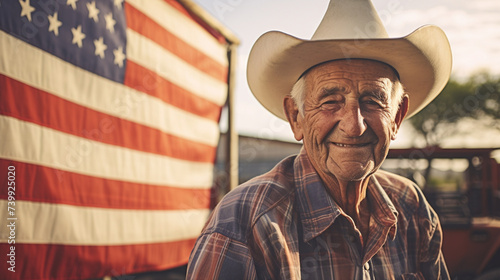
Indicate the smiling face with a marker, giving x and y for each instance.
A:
(349, 117)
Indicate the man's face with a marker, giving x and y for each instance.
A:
(350, 117)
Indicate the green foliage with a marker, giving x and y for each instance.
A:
(489, 89)
(476, 98)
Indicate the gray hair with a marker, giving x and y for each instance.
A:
(298, 94)
(398, 91)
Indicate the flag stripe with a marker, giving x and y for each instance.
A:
(52, 261)
(44, 185)
(150, 29)
(46, 223)
(101, 94)
(47, 147)
(182, 27)
(80, 121)
(174, 69)
(147, 81)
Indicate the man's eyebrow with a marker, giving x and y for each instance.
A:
(332, 90)
(377, 92)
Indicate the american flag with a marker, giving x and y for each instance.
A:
(109, 115)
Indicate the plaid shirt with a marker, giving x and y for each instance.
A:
(284, 225)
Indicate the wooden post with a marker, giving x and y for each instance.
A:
(232, 134)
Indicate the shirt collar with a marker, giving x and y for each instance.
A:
(318, 211)
(383, 210)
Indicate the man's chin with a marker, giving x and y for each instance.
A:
(353, 172)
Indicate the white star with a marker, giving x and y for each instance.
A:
(119, 56)
(110, 22)
(78, 36)
(72, 3)
(100, 47)
(54, 24)
(93, 11)
(118, 4)
(26, 9)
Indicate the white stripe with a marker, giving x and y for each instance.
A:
(28, 142)
(183, 27)
(150, 55)
(45, 223)
(44, 71)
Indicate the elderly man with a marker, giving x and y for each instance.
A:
(329, 212)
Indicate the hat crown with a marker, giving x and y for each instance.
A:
(350, 19)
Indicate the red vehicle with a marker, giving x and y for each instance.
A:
(467, 201)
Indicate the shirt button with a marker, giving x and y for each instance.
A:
(367, 266)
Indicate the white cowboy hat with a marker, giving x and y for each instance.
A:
(350, 29)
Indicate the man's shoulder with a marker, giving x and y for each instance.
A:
(240, 209)
(401, 190)
(389, 179)
(406, 196)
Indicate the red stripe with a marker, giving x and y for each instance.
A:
(54, 112)
(45, 184)
(52, 261)
(147, 81)
(144, 25)
(213, 32)
(175, 4)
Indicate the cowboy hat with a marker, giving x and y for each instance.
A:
(350, 29)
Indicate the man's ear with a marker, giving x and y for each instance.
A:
(400, 115)
(294, 117)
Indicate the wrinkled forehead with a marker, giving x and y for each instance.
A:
(353, 69)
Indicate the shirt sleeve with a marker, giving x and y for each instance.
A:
(216, 256)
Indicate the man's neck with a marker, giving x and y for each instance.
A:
(351, 197)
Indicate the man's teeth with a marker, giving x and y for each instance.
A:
(347, 145)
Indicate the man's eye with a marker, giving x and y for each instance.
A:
(330, 105)
(332, 102)
(371, 102)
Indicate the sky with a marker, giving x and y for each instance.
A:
(472, 27)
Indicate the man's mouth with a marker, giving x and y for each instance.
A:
(351, 145)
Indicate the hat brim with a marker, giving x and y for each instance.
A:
(422, 59)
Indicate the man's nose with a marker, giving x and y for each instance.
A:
(352, 122)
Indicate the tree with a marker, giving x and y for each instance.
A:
(488, 93)
(477, 98)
